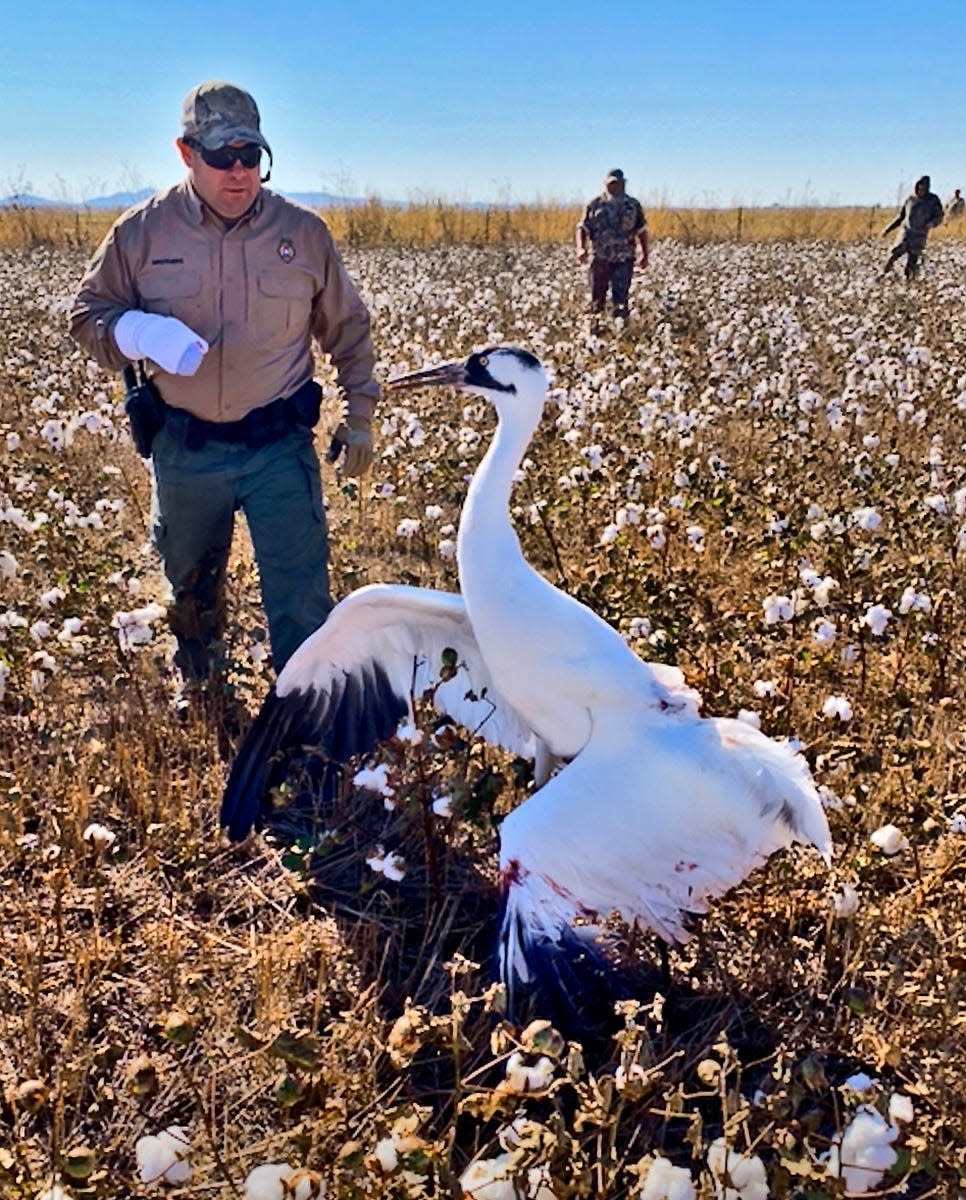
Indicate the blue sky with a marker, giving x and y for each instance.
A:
(699, 102)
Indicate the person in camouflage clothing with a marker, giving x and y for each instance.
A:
(612, 223)
(921, 212)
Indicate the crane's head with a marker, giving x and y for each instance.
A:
(499, 373)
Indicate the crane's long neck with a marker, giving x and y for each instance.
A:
(486, 537)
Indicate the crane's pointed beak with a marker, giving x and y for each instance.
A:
(451, 374)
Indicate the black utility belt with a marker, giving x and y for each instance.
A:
(268, 423)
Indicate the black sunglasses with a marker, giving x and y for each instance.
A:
(225, 157)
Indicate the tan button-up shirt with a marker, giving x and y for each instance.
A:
(257, 292)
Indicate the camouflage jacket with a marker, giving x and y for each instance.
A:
(612, 223)
(917, 216)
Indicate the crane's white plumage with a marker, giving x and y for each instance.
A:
(655, 809)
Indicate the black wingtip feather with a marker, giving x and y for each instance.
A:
(356, 713)
(273, 730)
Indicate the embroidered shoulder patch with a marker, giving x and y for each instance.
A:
(286, 249)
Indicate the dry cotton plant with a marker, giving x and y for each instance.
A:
(758, 477)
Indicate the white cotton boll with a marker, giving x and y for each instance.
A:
(913, 601)
(162, 1157)
(521, 1077)
(8, 565)
(54, 596)
(664, 1181)
(13, 442)
(386, 1156)
(859, 1082)
(391, 866)
(490, 1179)
(777, 609)
(901, 1109)
(407, 732)
(656, 536)
(447, 548)
(866, 519)
(408, 527)
(846, 902)
(54, 1192)
(746, 1173)
(824, 633)
(957, 823)
(837, 706)
(99, 836)
(304, 1184)
(374, 779)
(394, 867)
(443, 806)
(433, 512)
(889, 839)
(877, 618)
(487, 1179)
(865, 1152)
(763, 688)
(695, 536)
(267, 1182)
(610, 535)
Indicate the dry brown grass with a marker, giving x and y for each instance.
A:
(253, 993)
(431, 223)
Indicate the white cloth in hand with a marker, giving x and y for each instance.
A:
(167, 341)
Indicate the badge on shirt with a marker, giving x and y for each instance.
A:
(286, 250)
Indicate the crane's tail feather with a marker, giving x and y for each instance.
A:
(567, 974)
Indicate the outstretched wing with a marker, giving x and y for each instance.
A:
(351, 682)
(654, 818)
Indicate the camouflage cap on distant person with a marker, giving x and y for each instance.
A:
(216, 113)
(617, 174)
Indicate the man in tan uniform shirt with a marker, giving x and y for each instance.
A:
(219, 286)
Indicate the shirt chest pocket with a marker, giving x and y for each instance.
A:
(173, 292)
(283, 302)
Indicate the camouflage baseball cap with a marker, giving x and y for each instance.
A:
(216, 113)
(617, 174)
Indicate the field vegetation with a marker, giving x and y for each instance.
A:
(758, 477)
(432, 222)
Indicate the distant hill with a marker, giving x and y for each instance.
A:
(126, 199)
(118, 199)
(27, 200)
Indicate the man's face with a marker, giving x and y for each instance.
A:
(229, 193)
(615, 186)
(920, 189)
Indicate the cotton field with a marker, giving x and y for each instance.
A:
(760, 477)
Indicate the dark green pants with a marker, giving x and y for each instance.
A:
(278, 488)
